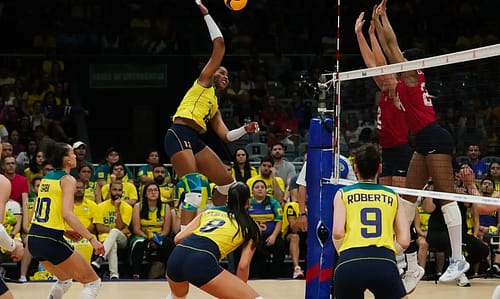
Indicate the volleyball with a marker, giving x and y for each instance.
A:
(235, 4)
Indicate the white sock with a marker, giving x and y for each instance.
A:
(91, 289)
(59, 288)
(411, 259)
(453, 219)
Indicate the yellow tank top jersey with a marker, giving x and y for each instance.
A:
(424, 218)
(216, 226)
(48, 205)
(199, 104)
(85, 212)
(154, 224)
(291, 209)
(370, 215)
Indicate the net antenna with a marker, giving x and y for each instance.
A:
(324, 85)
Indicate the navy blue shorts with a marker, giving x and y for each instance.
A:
(3, 287)
(181, 137)
(367, 268)
(195, 260)
(395, 160)
(434, 139)
(46, 244)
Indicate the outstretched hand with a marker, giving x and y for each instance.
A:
(382, 7)
(98, 247)
(203, 9)
(252, 127)
(358, 27)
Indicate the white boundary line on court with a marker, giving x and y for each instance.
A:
(433, 194)
(446, 59)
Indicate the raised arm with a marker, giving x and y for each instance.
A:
(367, 53)
(390, 44)
(205, 78)
(365, 50)
(386, 83)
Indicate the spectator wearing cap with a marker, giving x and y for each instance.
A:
(102, 174)
(80, 149)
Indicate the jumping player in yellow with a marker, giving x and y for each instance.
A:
(366, 216)
(54, 208)
(208, 239)
(199, 107)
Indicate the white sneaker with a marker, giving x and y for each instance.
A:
(463, 281)
(454, 270)
(97, 263)
(298, 273)
(114, 276)
(411, 279)
(22, 279)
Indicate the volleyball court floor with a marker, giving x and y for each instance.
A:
(270, 289)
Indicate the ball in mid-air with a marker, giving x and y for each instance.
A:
(236, 4)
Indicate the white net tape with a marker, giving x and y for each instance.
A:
(441, 60)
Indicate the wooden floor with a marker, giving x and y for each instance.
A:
(269, 289)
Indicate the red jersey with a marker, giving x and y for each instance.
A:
(391, 123)
(417, 104)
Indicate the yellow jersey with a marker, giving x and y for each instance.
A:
(216, 226)
(291, 209)
(129, 191)
(153, 224)
(424, 218)
(106, 215)
(85, 212)
(48, 204)
(269, 184)
(199, 104)
(370, 214)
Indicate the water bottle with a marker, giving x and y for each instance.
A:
(40, 268)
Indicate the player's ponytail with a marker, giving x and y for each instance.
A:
(238, 196)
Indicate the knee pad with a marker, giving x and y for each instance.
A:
(91, 289)
(192, 201)
(451, 214)
(192, 187)
(59, 288)
(224, 189)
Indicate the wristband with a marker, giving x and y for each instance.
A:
(91, 238)
(236, 134)
(302, 214)
(213, 29)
